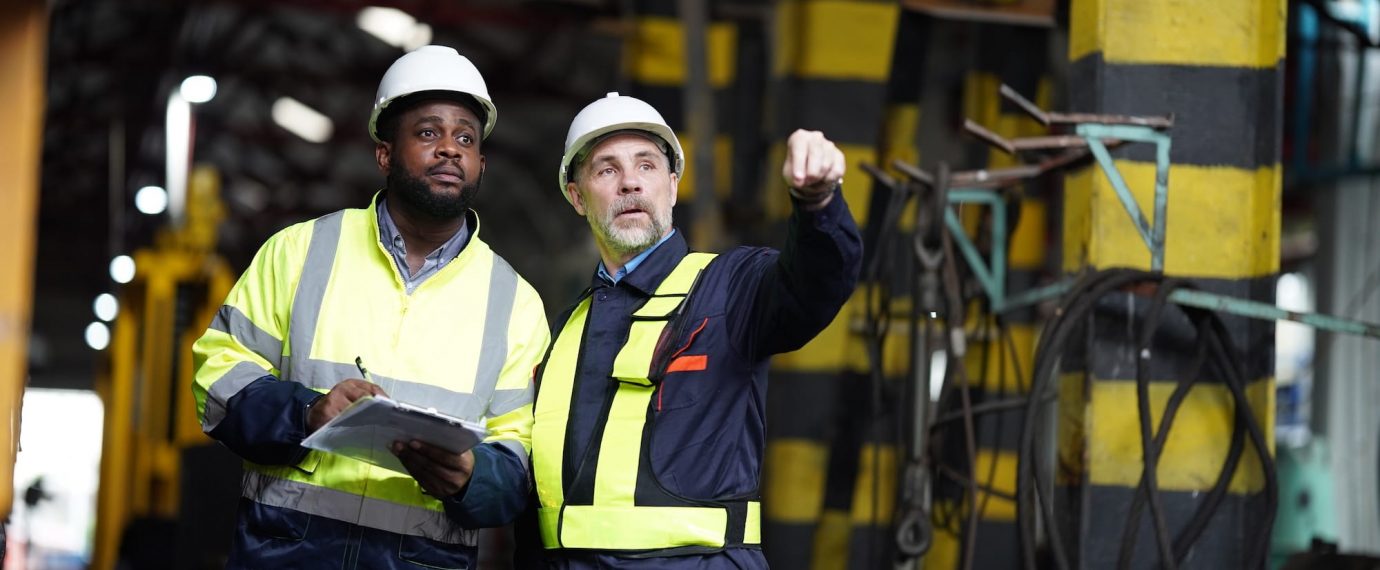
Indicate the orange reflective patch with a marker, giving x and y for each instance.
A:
(689, 363)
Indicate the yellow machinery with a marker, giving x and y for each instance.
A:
(150, 420)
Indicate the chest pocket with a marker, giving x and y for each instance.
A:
(687, 379)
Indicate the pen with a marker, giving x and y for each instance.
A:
(359, 363)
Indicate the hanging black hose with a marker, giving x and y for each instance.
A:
(1078, 304)
(1216, 353)
(1151, 453)
(1203, 514)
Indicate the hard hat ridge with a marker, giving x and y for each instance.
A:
(432, 69)
(612, 114)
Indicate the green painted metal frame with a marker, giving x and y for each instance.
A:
(1151, 233)
(992, 275)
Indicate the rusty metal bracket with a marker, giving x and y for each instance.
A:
(1095, 136)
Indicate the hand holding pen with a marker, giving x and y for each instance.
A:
(330, 404)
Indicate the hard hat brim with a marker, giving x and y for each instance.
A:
(402, 103)
(592, 138)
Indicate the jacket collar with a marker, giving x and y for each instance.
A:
(654, 268)
(471, 222)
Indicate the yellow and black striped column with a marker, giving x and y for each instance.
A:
(655, 64)
(1217, 67)
(1000, 352)
(831, 63)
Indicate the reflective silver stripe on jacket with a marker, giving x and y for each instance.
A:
(493, 350)
(505, 401)
(306, 303)
(323, 375)
(224, 388)
(230, 320)
(364, 511)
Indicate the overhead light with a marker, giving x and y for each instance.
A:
(151, 200)
(394, 27)
(198, 88)
(106, 307)
(302, 120)
(122, 269)
(97, 336)
(421, 35)
(179, 146)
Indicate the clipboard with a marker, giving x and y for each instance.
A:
(366, 430)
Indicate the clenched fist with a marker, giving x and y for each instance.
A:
(813, 168)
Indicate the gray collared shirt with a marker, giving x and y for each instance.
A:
(396, 245)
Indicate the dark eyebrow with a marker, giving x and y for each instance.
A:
(608, 158)
(440, 121)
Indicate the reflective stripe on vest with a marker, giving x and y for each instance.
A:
(323, 375)
(615, 521)
(345, 506)
(343, 489)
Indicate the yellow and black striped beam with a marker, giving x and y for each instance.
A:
(826, 466)
(1217, 67)
(655, 64)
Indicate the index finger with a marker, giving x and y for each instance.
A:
(354, 389)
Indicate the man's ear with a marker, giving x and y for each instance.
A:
(675, 188)
(573, 193)
(383, 155)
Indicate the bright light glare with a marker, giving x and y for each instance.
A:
(122, 269)
(302, 120)
(421, 35)
(151, 200)
(106, 307)
(939, 364)
(198, 89)
(97, 336)
(179, 146)
(394, 27)
(62, 444)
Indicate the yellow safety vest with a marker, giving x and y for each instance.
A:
(614, 520)
(320, 293)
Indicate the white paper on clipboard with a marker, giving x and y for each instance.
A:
(367, 429)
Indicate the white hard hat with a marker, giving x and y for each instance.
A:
(432, 68)
(617, 113)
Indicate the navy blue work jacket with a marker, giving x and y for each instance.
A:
(709, 426)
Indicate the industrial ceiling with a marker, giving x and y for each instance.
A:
(113, 63)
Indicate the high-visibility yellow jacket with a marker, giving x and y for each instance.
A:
(321, 293)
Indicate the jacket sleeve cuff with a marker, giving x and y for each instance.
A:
(497, 491)
(265, 422)
(824, 219)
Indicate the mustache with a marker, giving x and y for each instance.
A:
(452, 167)
(629, 202)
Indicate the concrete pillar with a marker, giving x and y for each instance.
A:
(1217, 67)
(829, 480)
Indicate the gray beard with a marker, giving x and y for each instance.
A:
(630, 239)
